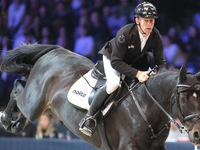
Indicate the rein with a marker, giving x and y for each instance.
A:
(163, 110)
(154, 135)
(175, 95)
(166, 126)
(180, 88)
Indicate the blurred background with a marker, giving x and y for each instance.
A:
(83, 26)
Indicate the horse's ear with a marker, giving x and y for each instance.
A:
(182, 74)
(198, 76)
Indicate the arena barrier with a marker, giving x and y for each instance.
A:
(62, 144)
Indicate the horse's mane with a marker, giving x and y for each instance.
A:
(166, 72)
(191, 78)
(22, 58)
(162, 77)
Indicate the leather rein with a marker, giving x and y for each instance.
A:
(184, 88)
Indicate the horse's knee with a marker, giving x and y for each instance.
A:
(10, 108)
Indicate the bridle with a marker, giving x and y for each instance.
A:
(184, 88)
(179, 88)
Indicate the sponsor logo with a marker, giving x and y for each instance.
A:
(131, 46)
(79, 93)
(121, 39)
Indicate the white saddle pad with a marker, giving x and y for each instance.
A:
(80, 91)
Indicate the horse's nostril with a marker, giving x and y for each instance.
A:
(196, 134)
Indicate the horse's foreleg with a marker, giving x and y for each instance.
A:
(6, 116)
(18, 125)
(15, 126)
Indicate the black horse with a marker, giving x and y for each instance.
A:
(137, 123)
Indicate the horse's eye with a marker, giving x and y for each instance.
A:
(184, 99)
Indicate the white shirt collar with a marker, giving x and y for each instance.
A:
(143, 39)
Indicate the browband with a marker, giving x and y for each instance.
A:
(183, 87)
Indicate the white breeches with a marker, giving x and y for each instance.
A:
(112, 76)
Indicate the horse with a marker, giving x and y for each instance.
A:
(139, 121)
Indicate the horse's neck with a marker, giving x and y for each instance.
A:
(162, 86)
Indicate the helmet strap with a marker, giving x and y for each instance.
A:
(141, 27)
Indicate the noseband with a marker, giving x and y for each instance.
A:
(195, 117)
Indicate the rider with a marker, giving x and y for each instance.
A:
(128, 53)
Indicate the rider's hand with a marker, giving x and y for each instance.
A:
(142, 76)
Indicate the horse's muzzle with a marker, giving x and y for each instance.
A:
(194, 135)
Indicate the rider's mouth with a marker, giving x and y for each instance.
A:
(149, 29)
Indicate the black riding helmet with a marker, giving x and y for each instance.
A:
(146, 10)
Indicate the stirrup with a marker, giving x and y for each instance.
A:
(85, 130)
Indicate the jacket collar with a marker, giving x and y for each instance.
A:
(136, 38)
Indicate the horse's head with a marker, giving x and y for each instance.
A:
(188, 90)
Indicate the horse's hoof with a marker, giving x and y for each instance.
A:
(17, 127)
(4, 119)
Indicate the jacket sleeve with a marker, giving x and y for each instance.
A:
(119, 48)
(158, 52)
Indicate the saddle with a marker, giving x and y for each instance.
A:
(82, 92)
(99, 74)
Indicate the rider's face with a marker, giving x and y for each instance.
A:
(146, 24)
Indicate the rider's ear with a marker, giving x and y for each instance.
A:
(182, 74)
(137, 21)
(198, 76)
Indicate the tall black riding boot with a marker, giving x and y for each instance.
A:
(88, 123)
